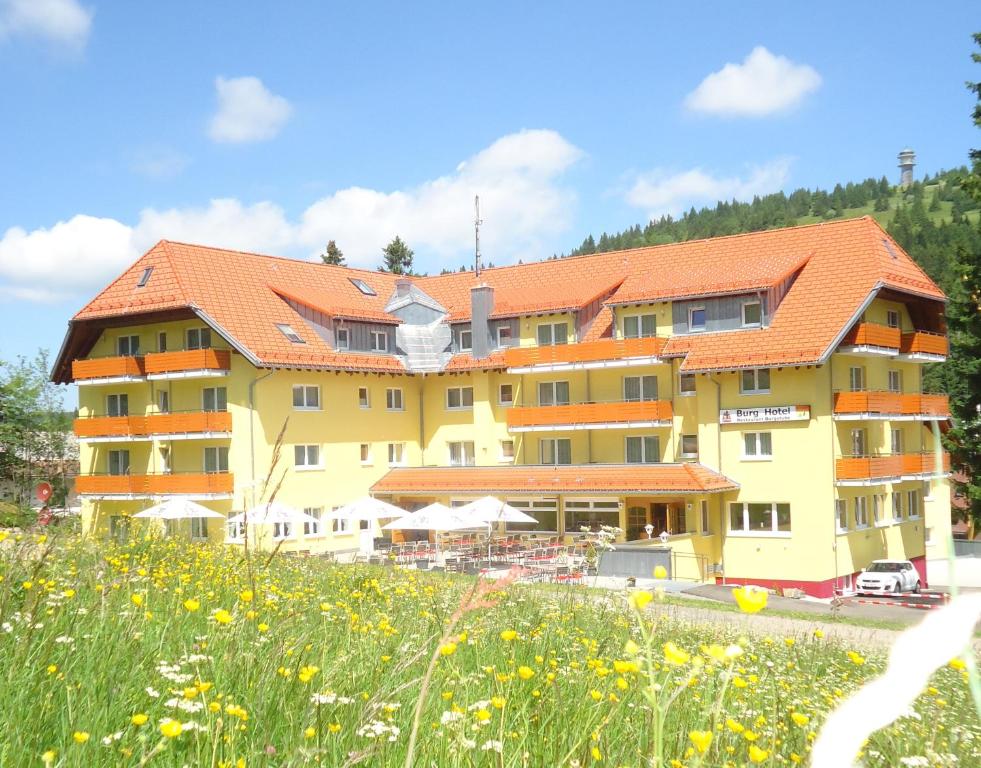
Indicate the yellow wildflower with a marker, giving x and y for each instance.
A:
(756, 754)
(139, 719)
(309, 732)
(526, 673)
(223, 617)
(306, 674)
(675, 655)
(447, 649)
(191, 605)
(136, 599)
(660, 572)
(334, 727)
(508, 634)
(47, 757)
(957, 664)
(856, 658)
(639, 599)
(800, 719)
(701, 740)
(171, 729)
(80, 737)
(246, 596)
(482, 715)
(596, 695)
(750, 599)
(498, 702)
(597, 755)
(733, 726)
(631, 648)
(263, 627)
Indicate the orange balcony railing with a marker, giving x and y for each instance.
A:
(884, 467)
(584, 352)
(923, 342)
(195, 483)
(890, 403)
(188, 360)
(584, 414)
(873, 335)
(108, 368)
(154, 424)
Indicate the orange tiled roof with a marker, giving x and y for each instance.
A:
(835, 266)
(535, 479)
(463, 362)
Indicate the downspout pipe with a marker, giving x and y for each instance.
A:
(252, 386)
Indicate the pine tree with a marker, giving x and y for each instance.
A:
(398, 258)
(333, 255)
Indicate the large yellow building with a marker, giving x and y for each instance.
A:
(757, 397)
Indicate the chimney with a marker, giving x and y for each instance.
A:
(481, 307)
(402, 287)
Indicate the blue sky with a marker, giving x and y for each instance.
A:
(273, 127)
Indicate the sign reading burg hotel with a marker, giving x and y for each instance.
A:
(766, 414)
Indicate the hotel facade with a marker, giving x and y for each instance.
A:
(757, 398)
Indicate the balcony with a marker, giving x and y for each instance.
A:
(922, 345)
(108, 370)
(861, 406)
(604, 353)
(194, 485)
(873, 470)
(191, 425)
(617, 415)
(188, 364)
(872, 339)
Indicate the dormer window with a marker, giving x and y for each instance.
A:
(752, 313)
(637, 326)
(466, 341)
(362, 286)
(379, 341)
(696, 319)
(145, 277)
(892, 318)
(289, 333)
(343, 337)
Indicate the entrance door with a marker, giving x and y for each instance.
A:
(659, 518)
(366, 542)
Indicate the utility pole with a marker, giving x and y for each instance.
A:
(477, 221)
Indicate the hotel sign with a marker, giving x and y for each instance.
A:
(765, 414)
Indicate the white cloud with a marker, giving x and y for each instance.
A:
(247, 111)
(517, 177)
(63, 22)
(762, 85)
(660, 193)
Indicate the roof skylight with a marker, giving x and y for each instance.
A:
(145, 277)
(289, 333)
(362, 286)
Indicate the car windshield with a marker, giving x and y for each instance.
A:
(885, 567)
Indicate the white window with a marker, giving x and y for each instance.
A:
(165, 459)
(553, 393)
(686, 384)
(704, 514)
(342, 526)
(895, 381)
(545, 512)
(841, 515)
(754, 381)
(892, 318)
(461, 454)
(118, 462)
(897, 506)
(550, 334)
(505, 394)
(396, 454)
(282, 531)
(896, 441)
(644, 449)
(379, 341)
(689, 446)
(637, 326)
(198, 338)
(506, 454)
(858, 441)
(393, 399)
(163, 400)
(696, 319)
(861, 512)
(199, 528)
(215, 460)
(311, 528)
(757, 446)
(879, 509)
(128, 346)
(235, 531)
(306, 398)
(214, 399)
(504, 337)
(366, 453)
(555, 451)
(306, 457)
(343, 338)
(362, 286)
(117, 405)
(590, 514)
(459, 398)
(856, 378)
(162, 341)
(759, 518)
(364, 399)
(752, 313)
(466, 341)
(912, 505)
(637, 388)
(145, 277)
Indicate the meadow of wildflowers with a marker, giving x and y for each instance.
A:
(171, 654)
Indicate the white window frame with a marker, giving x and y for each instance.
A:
(861, 506)
(391, 395)
(235, 531)
(500, 394)
(913, 505)
(379, 341)
(396, 454)
(504, 336)
(305, 390)
(758, 440)
(163, 401)
(121, 410)
(119, 453)
(704, 518)
(463, 458)
(856, 436)
(681, 447)
(879, 519)
(306, 465)
(346, 343)
(460, 397)
(128, 339)
(774, 531)
(691, 313)
(895, 380)
(199, 529)
(282, 531)
(217, 399)
(366, 456)
(202, 335)
(554, 441)
(644, 458)
(897, 440)
(219, 452)
(841, 513)
(893, 315)
(366, 402)
(342, 526)
(502, 456)
(755, 323)
(856, 378)
(466, 345)
(757, 385)
(313, 530)
(554, 385)
(638, 332)
(641, 378)
(682, 392)
(897, 506)
(551, 333)
(162, 341)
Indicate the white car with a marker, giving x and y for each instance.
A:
(885, 577)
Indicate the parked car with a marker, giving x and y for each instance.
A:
(884, 577)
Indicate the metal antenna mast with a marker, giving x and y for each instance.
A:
(477, 221)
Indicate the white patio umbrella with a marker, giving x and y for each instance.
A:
(490, 511)
(435, 517)
(176, 508)
(272, 512)
(366, 508)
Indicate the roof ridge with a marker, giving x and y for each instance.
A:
(165, 246)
